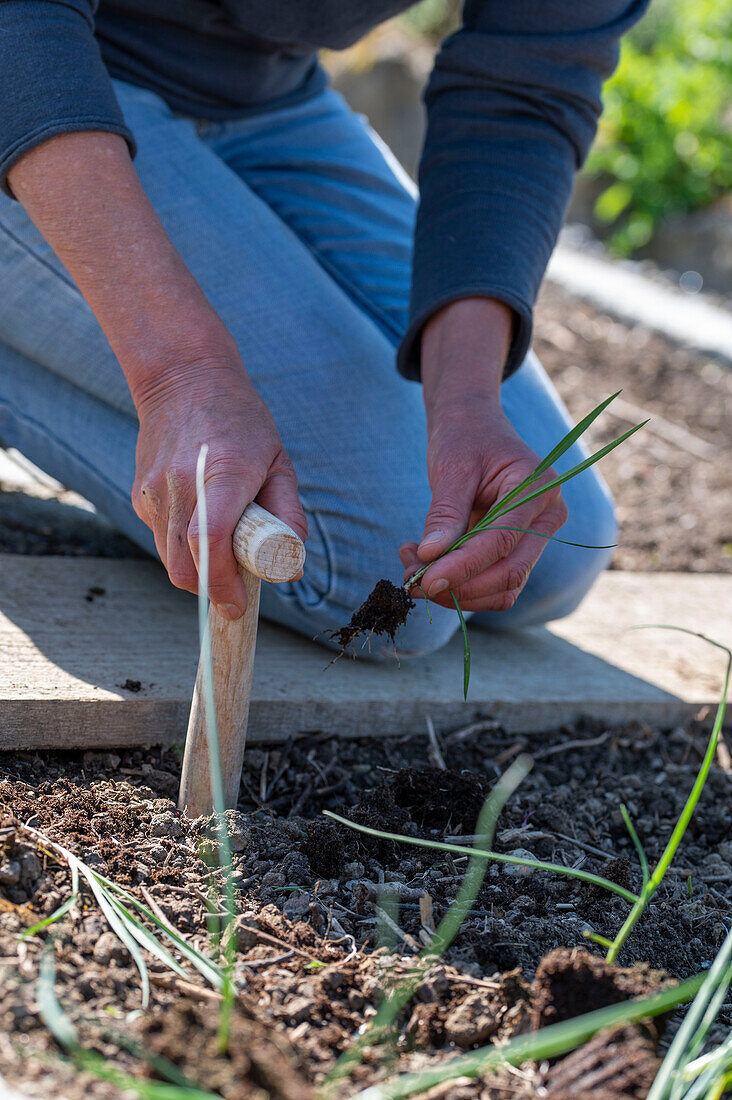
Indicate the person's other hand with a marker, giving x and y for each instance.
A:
(209, 401)
(475, 458)
(184, 371)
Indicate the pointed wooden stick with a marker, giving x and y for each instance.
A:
(265, 549)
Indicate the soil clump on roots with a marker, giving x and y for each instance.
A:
(314, 952)
(383, 611)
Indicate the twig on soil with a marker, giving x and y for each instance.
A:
(537, 834)
(260, 964)
(584, 845)
(509, 753)
(435, 753)
(157, 910)
(724, 757)
(263, 779)
(564, 746)
(284, 761)
(486, 725)
(394, 927)
(169, 981)
(267, 937)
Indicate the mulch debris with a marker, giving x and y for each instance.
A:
(329, 918)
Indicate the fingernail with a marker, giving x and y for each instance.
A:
(438, 586)
(431, 539)
(229, 611)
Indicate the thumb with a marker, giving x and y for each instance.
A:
(279, 496)
(453, 495)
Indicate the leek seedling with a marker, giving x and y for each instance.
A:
(65, 1034)
(524, 493)
(497, 857)
(654, 880)
(448, 928)
(117, 905)
(681, 1061)
(537, 1046)
(387, 607)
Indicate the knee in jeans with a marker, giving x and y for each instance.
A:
(563, 589)
(419, 637)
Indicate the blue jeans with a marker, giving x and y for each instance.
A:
(298, 225)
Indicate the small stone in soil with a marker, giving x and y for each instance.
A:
(383, 611)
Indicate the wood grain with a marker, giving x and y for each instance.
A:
(267, 547)
(233, 646)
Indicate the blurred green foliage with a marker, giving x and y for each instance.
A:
(434, 18)
(665, 140)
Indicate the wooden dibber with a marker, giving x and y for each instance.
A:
(265, 549)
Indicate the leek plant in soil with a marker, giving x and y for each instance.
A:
(397, 999)
(387, 607)
(175, 1085)
(709, 990)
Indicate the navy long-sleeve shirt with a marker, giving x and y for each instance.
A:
(512, 106)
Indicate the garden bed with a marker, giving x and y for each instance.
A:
(675, 474)
(328, 917)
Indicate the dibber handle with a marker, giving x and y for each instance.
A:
(267, 547)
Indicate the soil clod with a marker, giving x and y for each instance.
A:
(439, 798)
(613, 1065)
(383, 611)
(570, 982)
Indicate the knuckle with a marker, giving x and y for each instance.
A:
(516, 577)
(442, 512)
(216, 533)
(138, 501)
(147, 497)
(177, 480)
(220, 591)
(471, 565)
(504, 601)
(505, 543)
(184, 578)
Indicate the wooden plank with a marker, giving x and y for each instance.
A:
(66, 654)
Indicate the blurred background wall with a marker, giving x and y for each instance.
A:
(658, 182)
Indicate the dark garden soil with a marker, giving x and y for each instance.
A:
(383, 611)
(329, 917)
(675, 473)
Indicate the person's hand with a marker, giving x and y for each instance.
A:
(475, 458)
(211, 402)
(186, 378)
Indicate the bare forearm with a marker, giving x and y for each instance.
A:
(83, 194)
(464, 350)
(183, 367)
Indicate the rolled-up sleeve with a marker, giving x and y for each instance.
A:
(52, 77)
(512, 108)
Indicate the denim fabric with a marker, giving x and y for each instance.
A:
(298, 225)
